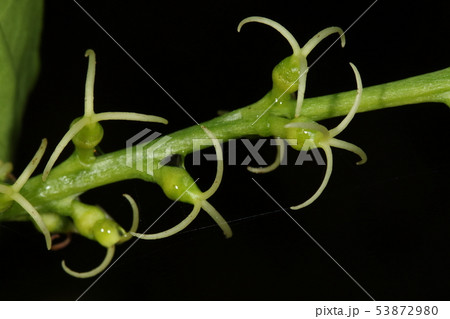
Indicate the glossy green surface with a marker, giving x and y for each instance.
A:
(20, 32)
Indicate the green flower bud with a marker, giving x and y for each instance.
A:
(93, 223)
(85, 218)
(177, 184)
(285, 76)
(89, 136)
(296, 136)
(56, 223)
(108, 233)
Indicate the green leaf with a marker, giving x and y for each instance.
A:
(20, 32)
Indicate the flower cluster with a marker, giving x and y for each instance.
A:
(301, 132)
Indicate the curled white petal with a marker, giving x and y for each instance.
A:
(77, 127)
(26, 205)
(284, 32)
(97, 270)
(281, 149)
(172, 231)
(344, 123)
(217, 218)
(127, 116)
(23, 178)
(301, 85)
(219, 173)
(329, 156)
(349, 147)
(315, 40)
(134, 207)
(89, 88)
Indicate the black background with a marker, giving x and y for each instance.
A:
(385, 222)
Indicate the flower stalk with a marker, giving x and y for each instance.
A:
(110, 168)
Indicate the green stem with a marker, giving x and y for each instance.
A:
(263, 118)
(429, 87)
